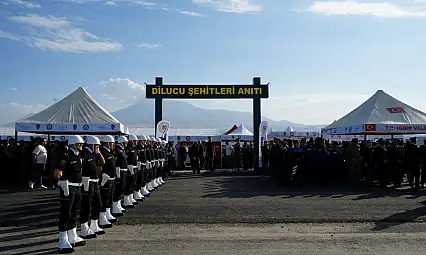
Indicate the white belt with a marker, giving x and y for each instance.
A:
(93, 180)
(111, 179)
(122, 169)
(75, 184)
(135, 167)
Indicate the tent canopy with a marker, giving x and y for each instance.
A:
(289, 129)
(240, 133)
(381, 113)
(76, 113)
(231, 130)
(241, 130)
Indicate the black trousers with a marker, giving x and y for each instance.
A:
(414, 173)
(91, 203)
(130, 184)
(139, 180)
(209, 162)
(120, 185)
(145, 177)
(107, 192)
(37, 173)
(68, 208)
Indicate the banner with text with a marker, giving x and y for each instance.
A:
(68, 128)
(396, 128)
(206, 91)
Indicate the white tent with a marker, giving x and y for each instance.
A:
(289, 130)
(241, 133)
(76, 113)
(380, 114)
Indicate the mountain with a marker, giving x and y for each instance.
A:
(185, 115)
(12, 124)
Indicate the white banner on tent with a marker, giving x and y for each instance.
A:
(396, 128)
(263, 129)
(163, 129)
(352, 129)
(193, 138)
(68, 128)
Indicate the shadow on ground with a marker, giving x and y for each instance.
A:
(401, 218)
(26, 215)
(247, 185)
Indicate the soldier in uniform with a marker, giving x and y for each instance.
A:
(107, 182)
(154, 163)
(141, 189)
(132, 165)
(91, 197)
(157, 161)
(163, 172)
(149, 163)
(68, 171)
(121, 176)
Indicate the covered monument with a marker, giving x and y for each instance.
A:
(380, 114)
(78, 113)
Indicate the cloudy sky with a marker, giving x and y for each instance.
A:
(322, 58)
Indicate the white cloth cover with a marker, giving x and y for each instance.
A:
(64, 187)
(117, 172)
(85, 181)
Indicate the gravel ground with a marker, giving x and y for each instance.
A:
(226, 213)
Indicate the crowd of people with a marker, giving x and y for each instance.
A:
(382, 162)
(100, 177)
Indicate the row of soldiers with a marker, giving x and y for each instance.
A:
(96, 175)
(366, 161)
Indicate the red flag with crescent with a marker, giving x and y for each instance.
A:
(370, 127)
(395, 110)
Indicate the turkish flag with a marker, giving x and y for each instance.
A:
(370, 127)
(395, 110)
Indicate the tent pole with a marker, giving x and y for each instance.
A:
(48, 137)
(16, 135)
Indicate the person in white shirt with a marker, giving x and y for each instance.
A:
(228, 156)
(39, 164)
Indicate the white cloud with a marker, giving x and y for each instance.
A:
(146, 3)
(59, 34)
(117, 93)
(236, 6)
(9, 36)
(196, 14)
(378, 9)
(25, 3)
(110, 3)
(13, 89)
(148, 46)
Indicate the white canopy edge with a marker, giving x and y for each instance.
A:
(47, 128)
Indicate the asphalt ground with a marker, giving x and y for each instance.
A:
(232, 213)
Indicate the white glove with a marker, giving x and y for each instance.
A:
(117, 172)
(64, 187)
(139, 165)
(86, 183)
(130, 169)
(105, 178)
